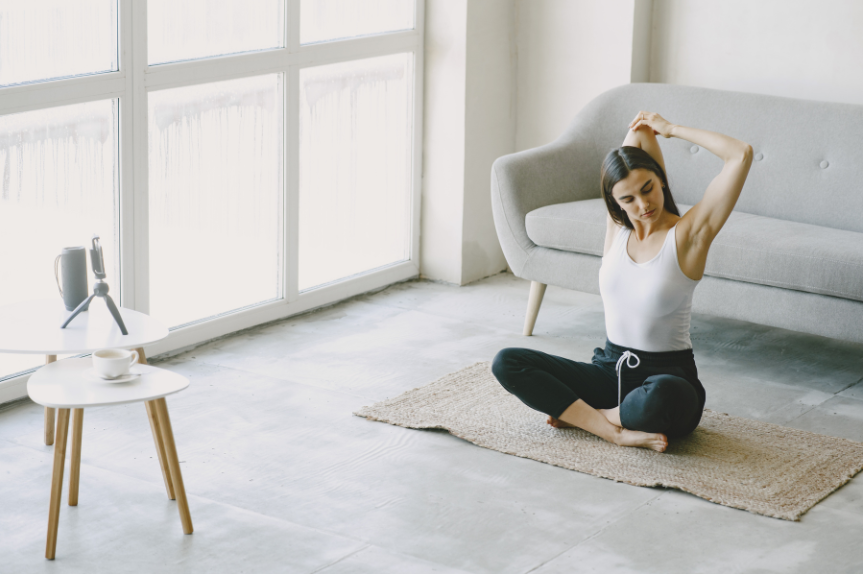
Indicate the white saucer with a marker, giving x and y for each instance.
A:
(94, 376)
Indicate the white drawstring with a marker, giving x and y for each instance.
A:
(625, 360)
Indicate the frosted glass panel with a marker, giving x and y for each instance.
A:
(50, 39)
(58, 186)
(355, 159)
(322, 20)
(192, 29)
(215, 197)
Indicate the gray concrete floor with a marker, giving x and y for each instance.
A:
(282, 477)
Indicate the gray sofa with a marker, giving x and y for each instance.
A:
(790, 254)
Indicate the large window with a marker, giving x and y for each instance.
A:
(44, 40)
(355, 159)
(241, 161)
(216, 186)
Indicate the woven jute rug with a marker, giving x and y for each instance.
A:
(760, 467)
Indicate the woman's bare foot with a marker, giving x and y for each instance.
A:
(558, 423)
(654, 441)
(598, 423)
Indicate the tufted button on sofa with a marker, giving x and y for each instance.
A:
(790, 254)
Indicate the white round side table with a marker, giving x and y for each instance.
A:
(34, 327)
(64, 385)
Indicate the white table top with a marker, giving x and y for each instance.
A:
(63, 385)
(34, 327)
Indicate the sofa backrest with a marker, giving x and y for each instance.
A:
(807, 163)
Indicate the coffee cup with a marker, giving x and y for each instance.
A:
(113, 363)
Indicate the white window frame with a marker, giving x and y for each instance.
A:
(131, 84)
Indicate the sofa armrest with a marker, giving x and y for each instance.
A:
(562, 171)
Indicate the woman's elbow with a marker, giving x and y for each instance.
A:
(742, 155)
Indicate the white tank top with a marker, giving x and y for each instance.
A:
(647, 304)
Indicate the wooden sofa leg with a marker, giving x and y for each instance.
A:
(534, 299)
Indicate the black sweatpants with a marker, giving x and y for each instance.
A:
(662, 395)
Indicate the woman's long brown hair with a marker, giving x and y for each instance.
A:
(617, 166)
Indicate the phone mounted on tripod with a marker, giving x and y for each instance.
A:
(96, 259)
(100, 288)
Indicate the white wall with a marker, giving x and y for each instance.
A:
(797, 49)
(490, 129)
(469, 122)
(568, 52)
(443, 187)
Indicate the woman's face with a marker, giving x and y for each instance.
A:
(640, 196)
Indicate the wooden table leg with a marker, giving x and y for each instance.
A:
(75, 467)
(157, 435)
(49, 412)
(57, 482)
(160, 447)
(173, 463)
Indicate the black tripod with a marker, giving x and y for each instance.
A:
(100, 289)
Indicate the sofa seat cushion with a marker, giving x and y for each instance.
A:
(749, 248)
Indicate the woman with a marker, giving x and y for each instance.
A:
(653, 259)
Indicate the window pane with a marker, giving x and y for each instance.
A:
(322, 20)
(58, 186)
(51, 39)
(204, 28)
(355, 158)
(215, 197)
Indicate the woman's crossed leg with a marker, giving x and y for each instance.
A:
(585, 395)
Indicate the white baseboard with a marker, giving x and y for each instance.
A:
(13, 389)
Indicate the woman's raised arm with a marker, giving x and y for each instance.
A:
(707, 217)
(644, 138)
